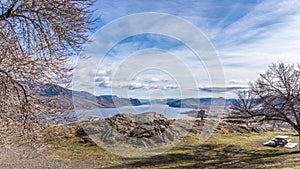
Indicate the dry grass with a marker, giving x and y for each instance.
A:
(220, 151)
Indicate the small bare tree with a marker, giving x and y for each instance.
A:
(273, 97)
(37, 39)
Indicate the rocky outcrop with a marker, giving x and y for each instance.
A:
(140, 126)
(151, 129)
(142, 130)
(235, 125)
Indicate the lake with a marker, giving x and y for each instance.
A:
(166, 111)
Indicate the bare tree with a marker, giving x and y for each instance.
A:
(37, 39)
(273, 97)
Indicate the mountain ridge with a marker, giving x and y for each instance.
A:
(66, 98)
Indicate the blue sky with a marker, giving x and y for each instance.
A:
(248, 35)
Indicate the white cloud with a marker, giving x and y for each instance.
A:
(267, 34)
(248, 37)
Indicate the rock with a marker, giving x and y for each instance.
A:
(87, 140)
(139, 126)
(135, 130)
(80, 132)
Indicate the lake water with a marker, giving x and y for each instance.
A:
(166, 111)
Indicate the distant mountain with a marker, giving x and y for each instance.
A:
(185, 103)
(157, 101)
(195, 103)
(64, 99)
(110, 101)
(203, 103)
(48, 90)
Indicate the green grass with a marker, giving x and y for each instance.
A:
(220, 151)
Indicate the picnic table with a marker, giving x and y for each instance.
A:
(280, 140)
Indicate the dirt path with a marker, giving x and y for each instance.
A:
(24, 157)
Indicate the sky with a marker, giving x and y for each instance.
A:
(246, 35)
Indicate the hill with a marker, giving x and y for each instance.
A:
(203, 103)
(65, 99)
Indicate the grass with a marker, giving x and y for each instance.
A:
(70, 149)
(220, 151)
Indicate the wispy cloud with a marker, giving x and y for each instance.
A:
(269, 33)
(248, 36)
